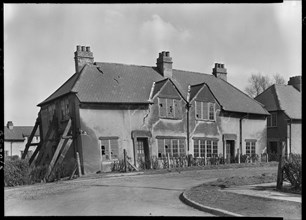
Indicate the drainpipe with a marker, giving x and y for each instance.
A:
(240, 135)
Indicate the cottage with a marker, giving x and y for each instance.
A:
(149, 111)
(15, 139)
(284, 126)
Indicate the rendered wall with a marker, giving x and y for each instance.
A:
(296, 138)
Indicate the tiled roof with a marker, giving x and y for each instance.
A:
(282, 97)
(18, 133)
(120, 83)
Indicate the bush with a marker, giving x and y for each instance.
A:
(292, 170)
(16, 172)
(37, 174)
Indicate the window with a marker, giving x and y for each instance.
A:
(272, 120)
(65, 109)
(109, 148)
(205, 110)
(6, 153)
(169, 108)
(202, 148)
(250, 148)
(173, 147)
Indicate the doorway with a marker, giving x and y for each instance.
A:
(143, 154)
(230, 151)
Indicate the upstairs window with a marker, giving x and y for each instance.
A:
(205, 111)
(272, 120)
(169, 108)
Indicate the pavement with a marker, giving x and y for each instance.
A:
(265, 190)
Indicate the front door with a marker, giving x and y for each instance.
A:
(143, 155)
(230, 151)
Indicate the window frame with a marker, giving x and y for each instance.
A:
(180, 143)
(174, 103)
(210, 112)
(250, 148)
(109, 149)
(197, 153)
(270, 120)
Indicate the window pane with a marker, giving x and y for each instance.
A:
(162, 107)
(177, 108)
(215, 148)
(208, 148)
(114, 149)
(253, 151)
(105, 143)
(269, 121)
(168, 146)
(198, 110)
(161, 147)
(182, 147)
(204, 110)
(248, 148)
(170, 108)
(211, 111)
(175, 148)
(202, 148)
(196, 148)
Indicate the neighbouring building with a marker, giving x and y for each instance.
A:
(15, 139)
(284, 125)
(150, 111)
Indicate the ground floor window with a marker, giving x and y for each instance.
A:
(202, 147)
(171, 146)
(109, 148)
(250, 148)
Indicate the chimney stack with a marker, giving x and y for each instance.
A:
(219, 71)
(164, 64)
(10, 125)
(82, 55)
(296, 82)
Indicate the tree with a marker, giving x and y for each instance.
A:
(259, 83)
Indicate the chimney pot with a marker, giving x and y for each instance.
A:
(78, 48)
(82, 56)
(83, 48)
(167, 54)
(88, 49)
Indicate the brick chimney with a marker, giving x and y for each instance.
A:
(219, 71)
(10, 125)
(82, 55)
(164, 64)
(296, 82)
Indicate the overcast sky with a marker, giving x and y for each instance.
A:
(40, 40)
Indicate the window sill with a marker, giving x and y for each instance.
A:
(170, 118)
(205, 120)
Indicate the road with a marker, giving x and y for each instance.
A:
(141, 195)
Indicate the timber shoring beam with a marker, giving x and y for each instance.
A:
(30, 139)
(59, 147)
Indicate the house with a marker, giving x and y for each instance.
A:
(284, 125)
(15, 139)
(149, 111)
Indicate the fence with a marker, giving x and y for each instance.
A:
(169, 162)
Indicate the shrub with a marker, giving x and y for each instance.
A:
(16, 172)
(37, 174)
(292, 170)
(154, 162)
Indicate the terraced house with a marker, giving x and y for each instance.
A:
(284, 125)
(148, 111)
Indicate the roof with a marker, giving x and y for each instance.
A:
(18, 133)
(121, 83)
(282, 97)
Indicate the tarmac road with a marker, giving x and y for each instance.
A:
(141, 195)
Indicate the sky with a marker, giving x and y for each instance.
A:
(40, 41)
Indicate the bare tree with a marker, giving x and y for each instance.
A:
(259, 83)
(278, 79)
